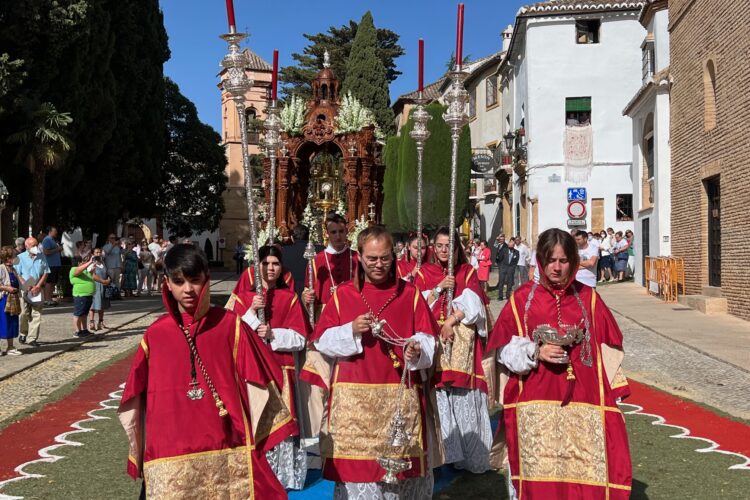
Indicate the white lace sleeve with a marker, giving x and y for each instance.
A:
(516, 355)
(339, 342)
(473, 307)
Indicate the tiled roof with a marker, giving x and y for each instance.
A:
(257, 63)
(431, 91)
(552, 7)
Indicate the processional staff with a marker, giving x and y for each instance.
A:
(456, 117)
(420, 134)
(272, 142)
(237, 84)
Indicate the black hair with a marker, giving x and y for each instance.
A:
(273, 251)
(186, 260)
(300, 233)
(582, 234)
(334, 218)
(461, 257)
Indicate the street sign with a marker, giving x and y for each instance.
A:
(577, 222)
(577, 209)
(482, 163)
(577, 194)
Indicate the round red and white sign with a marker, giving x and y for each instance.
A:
(576, 209)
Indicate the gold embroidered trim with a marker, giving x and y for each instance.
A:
(359, 418)
(210, 474)
(562, 442)
(558, 403)
(572, 481)
(462, 351)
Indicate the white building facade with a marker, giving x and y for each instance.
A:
(649, 111)
(571, 68)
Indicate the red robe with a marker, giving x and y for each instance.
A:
(246, 283)
(579, 450)
(343, 269)
(364, 387)
(466, 377)
(283, 310)
(182, 435)
(404, 267)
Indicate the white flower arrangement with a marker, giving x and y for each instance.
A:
(293, 116)
(353, 117)
(341, 208)
(360, 226)
(310, 219)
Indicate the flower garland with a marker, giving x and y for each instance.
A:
(293, 116)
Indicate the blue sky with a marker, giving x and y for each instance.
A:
(194, 27)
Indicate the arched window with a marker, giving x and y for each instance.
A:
(709, 95)
(324, 92)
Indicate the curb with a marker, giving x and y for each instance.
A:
(693, 348)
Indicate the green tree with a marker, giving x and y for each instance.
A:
(43, 143)
(193, 175)
(402, 188)
(366, 75)
(338, 42)
(390, 184)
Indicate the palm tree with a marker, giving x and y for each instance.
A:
(43, 144)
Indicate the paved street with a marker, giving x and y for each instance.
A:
(30, 378)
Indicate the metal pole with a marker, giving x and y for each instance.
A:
(456, 117)
(420, 134)
(237, 84)
(272, 140)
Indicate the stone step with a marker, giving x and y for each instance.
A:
(712, 291)
(705, 303)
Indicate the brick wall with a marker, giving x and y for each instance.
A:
(698, 33)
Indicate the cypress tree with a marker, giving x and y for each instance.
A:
(435, 174)
(390, 184)
(366, 75)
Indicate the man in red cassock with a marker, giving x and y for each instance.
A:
(374, 330)
(565, 435)
(336, 265)
(202, 401)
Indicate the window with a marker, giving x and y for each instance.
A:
(518, 218)
(253, 134)
(648, 67)
(587, 31)
(709, 95)
(577, 111)
(491, 91)
(624, 207)
(473, 103)
(490, 186)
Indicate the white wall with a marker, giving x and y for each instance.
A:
(610, 73)
(660, 29)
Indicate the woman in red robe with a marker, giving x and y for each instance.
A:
(461, 386)
(565, 434)
(374, 330)
(202, 396)
(406, 268)
(288, 334)
(246, 283)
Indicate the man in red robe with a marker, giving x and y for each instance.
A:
(202, 399)
(374, 330)
(332, 268)
(565, 434)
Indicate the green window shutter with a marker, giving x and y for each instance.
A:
(577, 104)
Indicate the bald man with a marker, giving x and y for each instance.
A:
(32, 272)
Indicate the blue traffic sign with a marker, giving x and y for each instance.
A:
(576, 194)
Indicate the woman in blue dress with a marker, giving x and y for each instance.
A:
(130, 270)
(10, 305)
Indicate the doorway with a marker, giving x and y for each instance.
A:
(713, 191)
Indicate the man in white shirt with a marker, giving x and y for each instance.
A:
(524, 259)
(589, 256)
